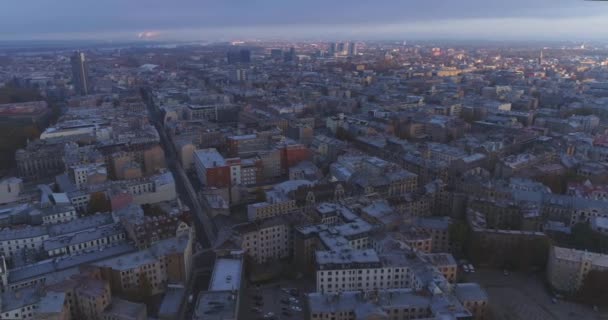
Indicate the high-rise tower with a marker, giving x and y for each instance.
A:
(80, 73)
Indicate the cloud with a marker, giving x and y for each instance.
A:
(72, 18)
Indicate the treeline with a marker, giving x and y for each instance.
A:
(582, 237)
(14, 94)
(594, 290)
(522, 254)
(14, 135)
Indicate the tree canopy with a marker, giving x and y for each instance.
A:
(594, 289)
(99, 203)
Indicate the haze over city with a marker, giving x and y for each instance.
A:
(360, 19)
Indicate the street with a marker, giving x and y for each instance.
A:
(205, 229)
(204, 225)
(519, 296)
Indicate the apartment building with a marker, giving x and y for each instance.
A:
(146, 190)
(266, 240)
(473, 298)
(278, 201)
(148, 271)
(394, 304)
(439, 229)
(211, 168)
(567, 268)
(86, 240)
(445, 263)
(352, 270)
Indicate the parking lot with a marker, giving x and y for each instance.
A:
(524, 296)
(272, 302)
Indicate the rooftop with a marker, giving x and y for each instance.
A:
(52, 302)
(124, 308)
(470, 292)
(226, 275)
(171, 301)
(215, 305)
(13, 300)
(210, 158)
(346, 256)
(358, 302)
(46, 267)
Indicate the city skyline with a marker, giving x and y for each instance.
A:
(310, 160)
(215, 20)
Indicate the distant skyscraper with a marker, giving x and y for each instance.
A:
(540, 57)
(352, 49)
(333, 47)
(276, 53)
(340, 47)
(80, 73)
(290, 55)
(245, 56)
(242, 56)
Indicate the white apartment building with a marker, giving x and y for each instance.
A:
(80, 173)
(86, 240)
(13, 241)
(58, 214)
(147, 190)
(567, 268)
(352, 270)
(263, 210)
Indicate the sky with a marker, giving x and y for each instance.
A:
(196, 20)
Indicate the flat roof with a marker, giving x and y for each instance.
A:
(361, 302)
(171, 301)
(52, 302)
(49, 266)
(226, 275)
(470, 292)
(346, 256)
(216, 305)
(13, 300)
(210, 158)
(125, 308)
